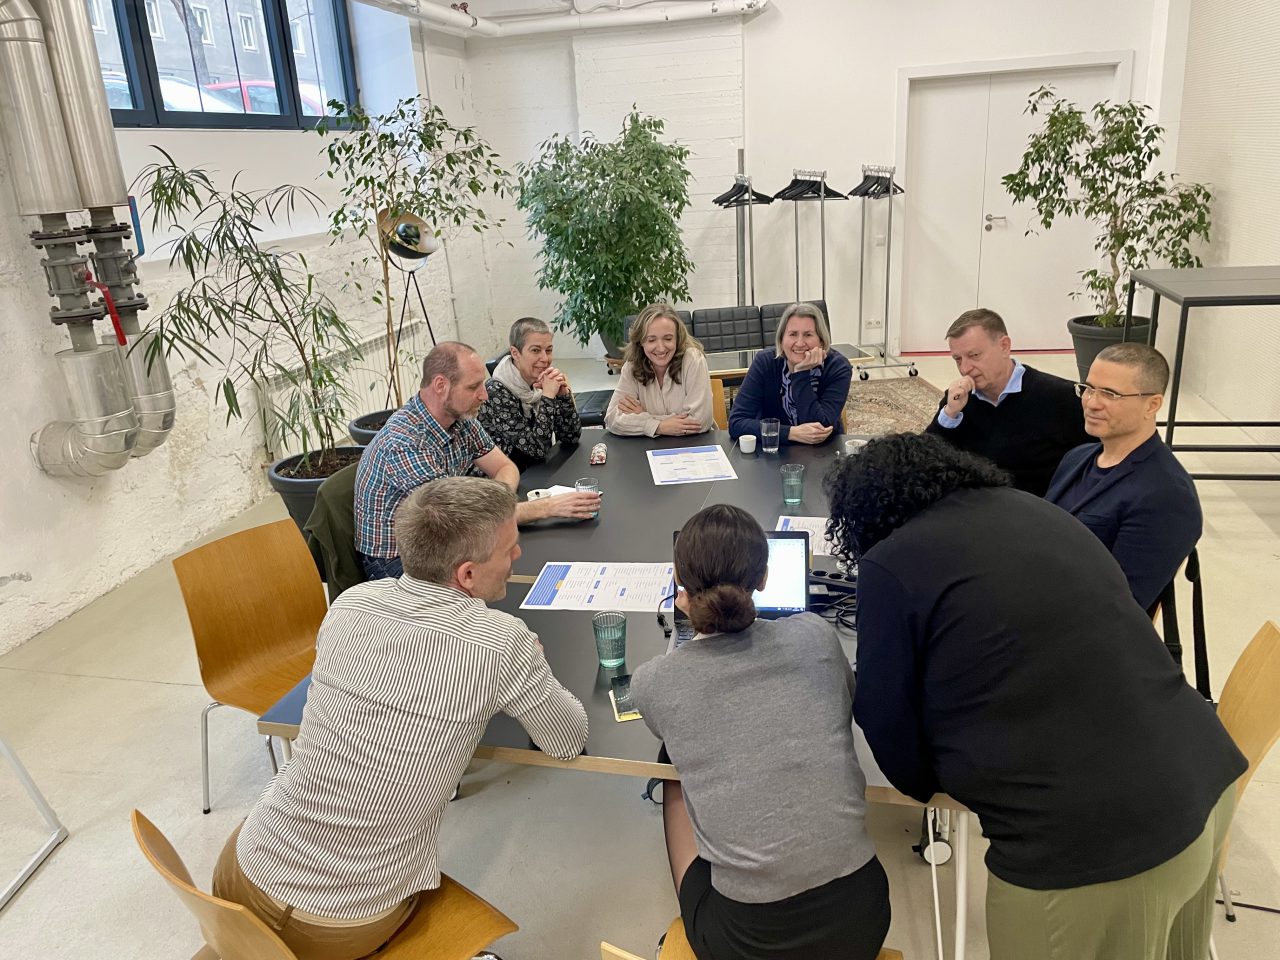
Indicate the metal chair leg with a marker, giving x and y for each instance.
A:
(1226, 897)
(286, 747)
(204, 751)
(271, 752)
(1213, 949)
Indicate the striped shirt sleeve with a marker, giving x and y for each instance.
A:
(530, 693)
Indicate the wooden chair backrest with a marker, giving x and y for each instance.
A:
(1250, 703)
(609, 952)
(232, 929)
(255, 603)
(718, 409)
(450, 923)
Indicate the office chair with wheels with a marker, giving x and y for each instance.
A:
(450, 923)
(255, 603)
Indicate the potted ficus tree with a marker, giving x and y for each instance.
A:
(256, 311)
(404, 176)
(1100, 166)
(608, 215)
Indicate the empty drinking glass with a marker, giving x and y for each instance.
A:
(588, 485)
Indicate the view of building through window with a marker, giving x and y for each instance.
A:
(215, 57)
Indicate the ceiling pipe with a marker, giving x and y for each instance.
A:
(460, 24)
(647, 15)
(43, 177)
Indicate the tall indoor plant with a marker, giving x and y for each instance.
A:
(608, 215)
(409, 161)
(1100, 166)
(256, 311)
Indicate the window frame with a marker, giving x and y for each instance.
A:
(154, 30)
(144, 81)
(205, 23)
(97, 15)
(248, 40)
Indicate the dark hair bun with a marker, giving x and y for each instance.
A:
(724, 608)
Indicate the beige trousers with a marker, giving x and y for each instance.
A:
(311, 938)
(1165, 913)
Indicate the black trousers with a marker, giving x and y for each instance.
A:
(846, 919)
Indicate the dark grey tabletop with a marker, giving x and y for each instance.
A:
(636, 522)
(1214, 286)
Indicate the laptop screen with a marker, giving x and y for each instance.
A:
(787, 589)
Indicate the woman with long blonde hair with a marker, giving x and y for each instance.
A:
(665, 387)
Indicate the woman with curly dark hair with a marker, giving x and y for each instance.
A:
(1003, 660)
(766, 830)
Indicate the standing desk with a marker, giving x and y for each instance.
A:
(1206, 287)
(637, 519)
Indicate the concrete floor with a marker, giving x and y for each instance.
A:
(104, 710)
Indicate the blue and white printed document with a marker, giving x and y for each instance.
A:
(637, 587)
(816, 527)
(690, 465)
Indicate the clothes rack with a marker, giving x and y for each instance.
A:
(740, 195)
(810, 185)
(877, 184)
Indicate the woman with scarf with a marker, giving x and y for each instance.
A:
(530, 405)
(802, 383)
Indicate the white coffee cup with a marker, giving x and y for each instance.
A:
(747, 443)
(854, 445)
(538, 494)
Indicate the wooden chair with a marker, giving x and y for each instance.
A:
(255, 603)
(1250, 710)
(675, 946)
(450, 923)
(718, 409)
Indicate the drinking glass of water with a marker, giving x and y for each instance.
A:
(769, 430)
(792, 483)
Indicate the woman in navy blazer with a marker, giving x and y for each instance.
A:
(801, 382)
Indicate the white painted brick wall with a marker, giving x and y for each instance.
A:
(523, 91)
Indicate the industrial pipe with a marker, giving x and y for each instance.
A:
(86, 115)
(43, 177)
(465, 25)
(103, 430)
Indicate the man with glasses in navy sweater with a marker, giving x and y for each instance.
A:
(1129, 488)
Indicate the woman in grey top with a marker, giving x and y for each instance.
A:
(765, 830)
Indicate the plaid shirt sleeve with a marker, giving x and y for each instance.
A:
(474, 436)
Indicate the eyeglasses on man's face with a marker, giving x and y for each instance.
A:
(1087, 390)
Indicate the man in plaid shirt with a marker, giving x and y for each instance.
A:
(436, 435)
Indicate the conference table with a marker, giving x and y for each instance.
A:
(636, 521)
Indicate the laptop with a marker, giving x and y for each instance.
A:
(786, 591)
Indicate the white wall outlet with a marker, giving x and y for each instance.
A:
(873, 323)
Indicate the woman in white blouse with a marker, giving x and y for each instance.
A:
(665, 388)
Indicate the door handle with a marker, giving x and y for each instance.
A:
(991, 218)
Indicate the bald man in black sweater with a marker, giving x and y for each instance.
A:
(1021, 419)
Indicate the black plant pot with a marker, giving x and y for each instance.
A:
(1090, 339)
(363, 429)
(299, 495)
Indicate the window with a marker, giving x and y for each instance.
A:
(205, 24)
(96, 19)
(155, 22)
(248, 32)
(223, 63)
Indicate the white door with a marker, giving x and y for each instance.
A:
(965, 242)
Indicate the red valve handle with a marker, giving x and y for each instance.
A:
(111, 305)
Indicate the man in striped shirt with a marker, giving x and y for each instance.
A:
(408, 673)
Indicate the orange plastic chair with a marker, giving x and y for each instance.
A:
(255, 603)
